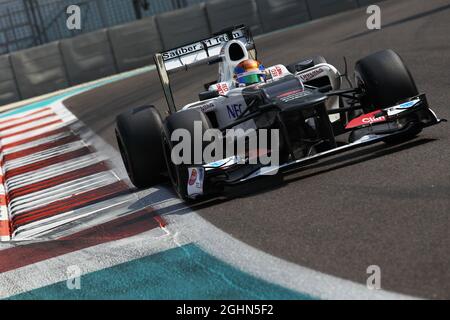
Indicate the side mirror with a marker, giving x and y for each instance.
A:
(303, 65)
(206, 95)
(209, 84)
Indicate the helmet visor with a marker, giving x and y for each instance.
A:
(250, 79)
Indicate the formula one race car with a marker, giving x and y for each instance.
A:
(302, 104)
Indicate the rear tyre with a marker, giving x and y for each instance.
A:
(138, 134)
(178, 174)
(385, 80)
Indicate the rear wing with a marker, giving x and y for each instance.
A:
(206, 51)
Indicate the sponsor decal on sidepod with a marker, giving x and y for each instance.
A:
(311, 75)
(195, 183)
(193, 177)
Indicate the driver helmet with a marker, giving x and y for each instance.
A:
(249, 72)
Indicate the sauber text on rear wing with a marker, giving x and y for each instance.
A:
(202, 52)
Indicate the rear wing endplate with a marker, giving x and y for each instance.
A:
(202, 52)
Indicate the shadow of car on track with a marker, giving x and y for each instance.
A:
(359, 156)
(270, 183)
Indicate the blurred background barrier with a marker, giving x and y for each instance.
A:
(366, 3)
(121, 35)
(277, 14)
(8, 86)
(134, 44)
(27, 23)
(88, 57)
(183, 26)
(225, 13)
(39, 70)
(322, 8)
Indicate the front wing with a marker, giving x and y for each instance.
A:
(381, 125)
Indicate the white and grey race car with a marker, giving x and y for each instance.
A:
(304, 102)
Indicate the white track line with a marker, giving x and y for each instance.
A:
(101, 212)
(32, 133)
(35, 143)
(52, 171)
(29, 125)
(24, 116)
(66, 190)
(43, 155)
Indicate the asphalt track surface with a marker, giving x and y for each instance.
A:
(385, 206)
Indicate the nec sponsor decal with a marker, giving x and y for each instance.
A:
(311, 75)
(234, 110)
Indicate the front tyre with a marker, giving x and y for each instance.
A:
(185, 120)
(384, 81)
(138, 133)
